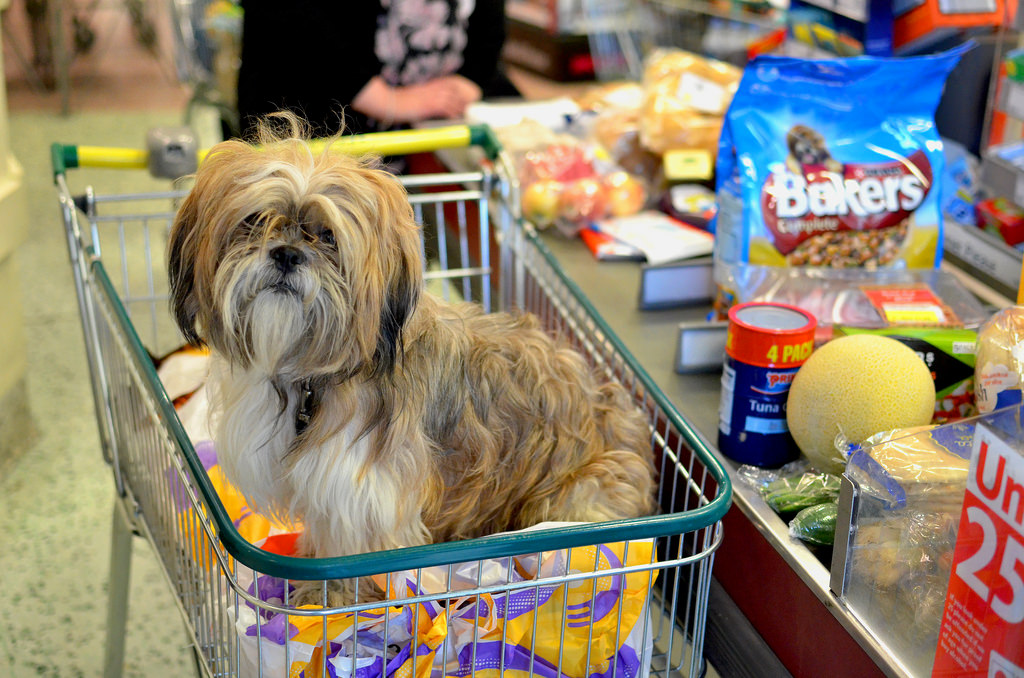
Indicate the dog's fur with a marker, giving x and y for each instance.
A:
(430, 422)
(807, 149)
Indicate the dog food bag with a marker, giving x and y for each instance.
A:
(831, 164)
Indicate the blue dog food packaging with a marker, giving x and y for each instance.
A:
(832, 164)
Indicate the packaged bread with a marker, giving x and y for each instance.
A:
(923, 467)
(694, 81)
(685, 99)
(912, 483)
(924, 454)
(999, 361)
(612, 96)
(618, 132)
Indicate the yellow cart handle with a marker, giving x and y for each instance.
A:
(402, 142)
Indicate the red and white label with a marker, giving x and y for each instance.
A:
(908, 304)
(982, 631)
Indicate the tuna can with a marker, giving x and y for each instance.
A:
(765, 345)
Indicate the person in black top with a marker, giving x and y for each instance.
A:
(366, 65)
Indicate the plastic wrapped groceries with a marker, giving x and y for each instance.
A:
(685, 99)
(999, 361)
(911, 485)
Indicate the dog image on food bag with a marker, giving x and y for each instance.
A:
(349, 399)
(808, 151)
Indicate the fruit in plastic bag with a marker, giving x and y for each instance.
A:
(559, 162)
(541, 201)
(583, 200)
(626, 194)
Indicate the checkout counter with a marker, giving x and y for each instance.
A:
(771, 610)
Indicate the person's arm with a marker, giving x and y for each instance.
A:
(445, 97)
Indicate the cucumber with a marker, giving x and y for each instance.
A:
(816, 524)
(792, 494)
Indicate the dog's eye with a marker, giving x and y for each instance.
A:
(326, 236)
(249, 223)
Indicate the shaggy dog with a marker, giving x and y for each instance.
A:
(351, 400)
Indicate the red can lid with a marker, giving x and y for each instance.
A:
(767, 334)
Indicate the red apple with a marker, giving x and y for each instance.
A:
(584, 200)
(626, 193)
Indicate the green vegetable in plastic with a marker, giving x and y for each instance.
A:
(795, 493)
(816, 524)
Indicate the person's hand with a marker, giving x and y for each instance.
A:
(467, 88)
(445, 97)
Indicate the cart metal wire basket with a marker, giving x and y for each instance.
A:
(616, 599)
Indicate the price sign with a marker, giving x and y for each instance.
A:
(982, 631)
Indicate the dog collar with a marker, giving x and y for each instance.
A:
(305, 411)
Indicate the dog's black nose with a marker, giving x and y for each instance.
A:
(287, 258)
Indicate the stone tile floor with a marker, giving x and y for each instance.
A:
(56, 498)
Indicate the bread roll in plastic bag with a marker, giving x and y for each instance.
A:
(999, 361)
(686, 97)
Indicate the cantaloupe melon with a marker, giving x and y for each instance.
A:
(856, 386)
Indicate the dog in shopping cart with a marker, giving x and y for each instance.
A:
(348, 398)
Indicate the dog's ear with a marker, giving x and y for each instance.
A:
(401, 297)
(404, 278)
(182, 252)
(792, 137)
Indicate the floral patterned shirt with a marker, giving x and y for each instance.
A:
(418, 40)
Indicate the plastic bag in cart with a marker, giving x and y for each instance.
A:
(530, 631)
(606, 618)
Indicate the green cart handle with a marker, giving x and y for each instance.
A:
(402, 142)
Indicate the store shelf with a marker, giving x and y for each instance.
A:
(731, 11)
(851, 9)
(985, 256)
(1012, 99)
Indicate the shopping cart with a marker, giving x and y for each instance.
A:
(455, 606)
